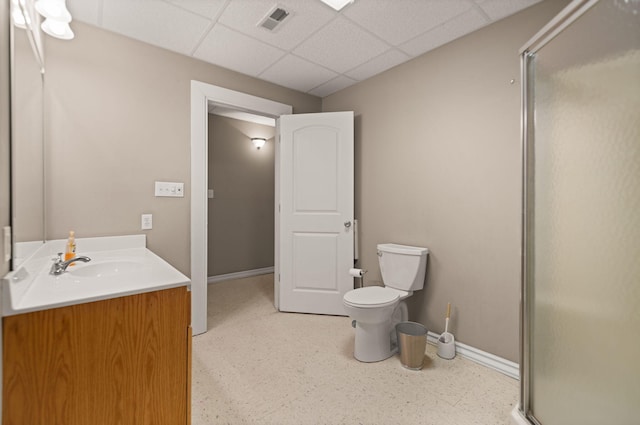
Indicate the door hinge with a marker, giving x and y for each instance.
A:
(279, 208)
(278, 277)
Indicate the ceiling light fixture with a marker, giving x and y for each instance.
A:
(57, 29)
(57, 18)
(54, 9)
(258, 142)
(337, 4)
(20, 18)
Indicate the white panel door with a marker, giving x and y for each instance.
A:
(316, 212)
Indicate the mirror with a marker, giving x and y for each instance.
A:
(27, 135)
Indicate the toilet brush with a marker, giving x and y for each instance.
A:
(446, 342)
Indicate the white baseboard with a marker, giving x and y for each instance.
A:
(239, 275)
(517, 418)
(489, 360)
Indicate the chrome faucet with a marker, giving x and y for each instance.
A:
(59, 266)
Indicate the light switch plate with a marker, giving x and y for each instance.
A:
(170, 189)
(147, 222)
(210, 193)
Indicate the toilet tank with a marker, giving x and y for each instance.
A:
(403, 267)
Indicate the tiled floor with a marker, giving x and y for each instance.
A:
(259, 366)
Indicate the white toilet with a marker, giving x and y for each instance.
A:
(376, 310)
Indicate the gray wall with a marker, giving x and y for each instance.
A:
(437, 158)
(438, 165)
(118, 119)
(241, 221)
(27, 152)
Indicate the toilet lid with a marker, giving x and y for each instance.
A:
(371, 296)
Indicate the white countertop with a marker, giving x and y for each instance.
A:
(119, 266)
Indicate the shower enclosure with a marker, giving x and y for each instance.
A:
(580, 339)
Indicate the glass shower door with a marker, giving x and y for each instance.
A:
(581, 329)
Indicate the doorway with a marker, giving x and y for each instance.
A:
(241, 216)
(203, 95)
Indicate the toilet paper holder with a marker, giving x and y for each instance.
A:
(359, 274)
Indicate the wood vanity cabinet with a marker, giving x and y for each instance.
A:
(119, 361)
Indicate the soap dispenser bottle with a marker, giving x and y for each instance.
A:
(70, 250)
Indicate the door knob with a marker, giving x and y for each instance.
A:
(347, 224)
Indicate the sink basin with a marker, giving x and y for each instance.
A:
(104, 268)
(119, 266)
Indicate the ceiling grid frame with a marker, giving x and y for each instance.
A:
(422, 25)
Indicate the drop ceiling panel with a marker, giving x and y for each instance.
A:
(498, 9)
(305, 17)
(297, 74)
(155, 22)
(387, 60)
(341, 46)
(415, 16)
(315, 49)
(228, 48)
(207, 8)
(455, 28)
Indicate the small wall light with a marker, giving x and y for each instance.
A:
(258, 142)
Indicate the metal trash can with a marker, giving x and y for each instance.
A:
(412, 343)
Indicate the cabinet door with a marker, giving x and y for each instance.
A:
(118, 361)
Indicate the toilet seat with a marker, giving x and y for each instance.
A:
(371, 297)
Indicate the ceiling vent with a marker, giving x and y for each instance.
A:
(273, 18)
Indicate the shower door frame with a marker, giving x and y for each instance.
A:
(565, 18)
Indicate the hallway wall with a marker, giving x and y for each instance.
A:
(241, 214)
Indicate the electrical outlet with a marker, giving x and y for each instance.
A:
(147, 222)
